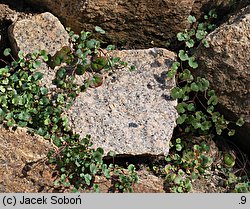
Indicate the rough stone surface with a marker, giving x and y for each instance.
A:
(134, 23)
(4, 11)
(148, 183)
(132, 112)
(23, 162)
(226, 65)
(223, 7)
(39, 32)
(43, 31)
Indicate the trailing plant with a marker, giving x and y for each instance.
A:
(25, 102)
(197, 111)
(196, 101)
(185, 163)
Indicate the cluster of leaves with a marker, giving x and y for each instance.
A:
(193, 93)
(197, 114)
(84, 57)
(185, 164)
(188, 161)
(79, 164)
(25, 102)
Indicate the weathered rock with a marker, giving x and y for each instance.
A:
(226, 65)
(7, 16)
(134, 23)
(23, 162)
(148, 183)
(12, 11)
(40, 32)
(132, 112)
(43, 31)
(135, 106)
(223, 7)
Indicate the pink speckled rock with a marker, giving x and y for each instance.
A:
(40, 32)
(132, 112)
(43, 31)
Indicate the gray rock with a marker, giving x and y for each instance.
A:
(43, 31)
(226, 65)
(132, 112)
(40, 32)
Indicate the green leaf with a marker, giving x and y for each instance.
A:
(111, 154)
(4, 71)
(178, 140)
(200, 34)
(87, 179)
(131, 168)
(47, 121)
(96, 81)
(192, 63)
(24, 116)
(191, 107)
(37, 64)
(100, 150)
(2, 89)
(10, 123)
(20, 55)
(63, 55)
(194, 175)
(7, 52)
(110, 47)
(183, 55)
(205, 43)
(212, 13)
(97, 156)
(106, 172)
(2, 113)
(181, 119)
(194, 87)
(178, 180)
(191, 19)
(229, 160)
(171, 73)
(204, 84)
(61, 73)
(240, 122)
(132, 68)
(190, 43)
(177, 93)
(81, 69)
(213, 100)
(37, 76)
(44, 90)
(175, 65)
(93, 169)
(181, 36)
(44, 55)
(186, 75)
(99, 30)
(99, 63)
(178, 147)
(206, 125)
(56, 183)
(22, 123)
(231, 132)
(181, 107)
(92, 43)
